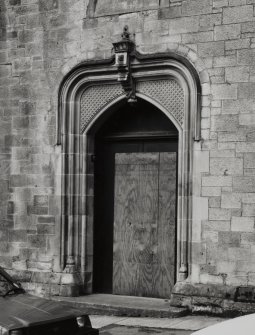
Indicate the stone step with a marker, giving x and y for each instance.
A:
(108, 304)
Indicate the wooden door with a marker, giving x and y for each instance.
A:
(144, 224)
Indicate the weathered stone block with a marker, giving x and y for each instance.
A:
(210, 49)
(237, 44)
(18, 180)
(204, 36)
(41, 200)
(214, 202)
(195, 7)
(245, 147)
(222, 152)
(38, 210)
(227, 32)
(210, 20)
(47, 5)
(224, 61)
(244, 184)
(246, 57)
(248, 238)
(46, 219)
(183, 25)
(27, 108)
(45, 229)
(217, 181)
(14, 2)
(226, 166)
(228, 148)
(238, 106)
(237, 14)
(247, 120)
(106, 7)
(249, 160)
(248, 27)
(220, 214)
(224, 91)
(224, 123)
(219, 225)
(169, 13)
(220, 3)
(246, 90)
(211, 191)
(248, 198)
(18, 235)
(232, 239)
(37, 241)
(244, 224)
(231, 200)
(237, 74)
(237, 2)
(249, 210)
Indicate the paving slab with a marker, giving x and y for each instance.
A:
(192, 323)
(109, 304)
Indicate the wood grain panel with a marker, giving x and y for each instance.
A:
(144, 224)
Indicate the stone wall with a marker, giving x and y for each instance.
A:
(42, 40)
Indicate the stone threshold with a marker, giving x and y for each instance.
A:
(109, 304)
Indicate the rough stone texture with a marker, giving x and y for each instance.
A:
(41, 41)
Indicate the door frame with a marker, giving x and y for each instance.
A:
(78, 150)
(112, 143)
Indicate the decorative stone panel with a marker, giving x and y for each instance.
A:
(94, 99)
(168, 93)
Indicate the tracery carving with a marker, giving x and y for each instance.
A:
(167, 92)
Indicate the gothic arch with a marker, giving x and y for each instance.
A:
(86, 95)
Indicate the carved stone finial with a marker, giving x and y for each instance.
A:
(126, 34)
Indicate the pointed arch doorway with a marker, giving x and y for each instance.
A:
(89, 97)
(136, 152)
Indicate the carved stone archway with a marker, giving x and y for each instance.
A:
(87, 94)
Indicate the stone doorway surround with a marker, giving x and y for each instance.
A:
(87, 96)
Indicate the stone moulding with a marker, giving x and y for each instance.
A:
(76, 136)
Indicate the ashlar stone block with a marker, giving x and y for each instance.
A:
(220, 3)
(214, 202)
(231, 200)
(248, 209)
(227, 123)
(211, 49)
(219, 225)
(195, 7)
(211, 191)
(237, 74)
(224, 91)
(247, 120)
(237, 14)
(244, 184)
(238, 106)
(249, 160)
(246, 57)
(245, 147)
(183, 25)
(232, 239)
(210, 20)
(217, 181)
(226, 166)
(243, 224)
(238, 44)
(246, 90)
(219, 214)
(227, 32)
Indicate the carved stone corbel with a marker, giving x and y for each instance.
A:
(123, 52)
